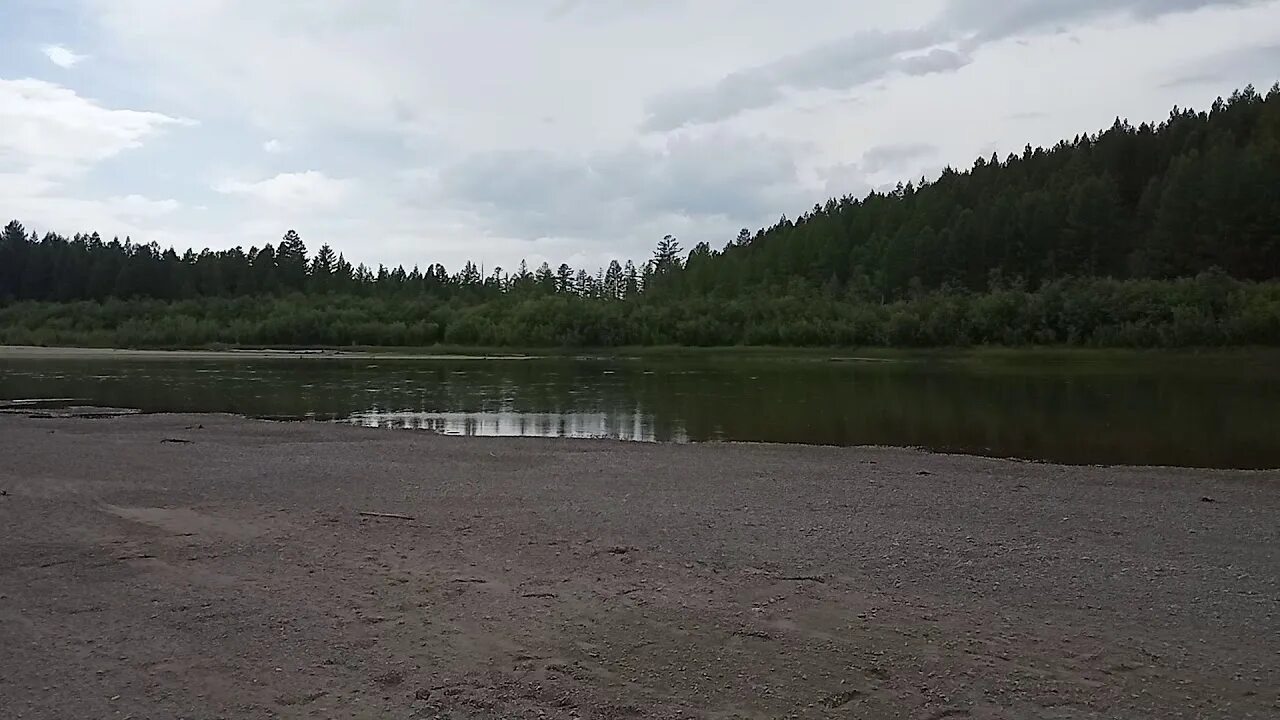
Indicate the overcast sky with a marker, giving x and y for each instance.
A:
(418, 131)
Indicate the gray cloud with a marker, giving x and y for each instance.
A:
(562, 8)
(901, 159)
(870, 56)
(937, 60)
(539, 194)
(894, 156)
(845, 179)
(855, 61)
(1235, 68)
(603, 9)
(986, 21)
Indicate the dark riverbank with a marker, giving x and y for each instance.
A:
(207, 566)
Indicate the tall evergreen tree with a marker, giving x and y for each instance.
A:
(666, 256)
(322, 269)
(630, 281)
(13, 253)
(564, 280)
(291, 261)
(612, 286)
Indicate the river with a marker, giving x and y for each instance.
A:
(1197, 410)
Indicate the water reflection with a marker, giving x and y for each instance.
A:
(1148, 409)
(635, 426)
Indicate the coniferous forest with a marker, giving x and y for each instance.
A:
(1159, 235)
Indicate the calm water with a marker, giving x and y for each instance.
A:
(1134, 409)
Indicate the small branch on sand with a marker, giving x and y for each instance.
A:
(805, 578)
(387, 516)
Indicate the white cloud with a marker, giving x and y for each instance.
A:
(273, 147)
(62, 56)
(310, 189)
(144, 219)
(51, 137)
(137, 206)
(50, 130)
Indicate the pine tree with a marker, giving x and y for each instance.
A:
(469, 276)
(13, 253)
(545, 279)
(322, 269)
(263, 266)
(343, 273)
(325, 262)
(291, 260)
(564, 280)
(631, 281)
(612, 284)
(666, 256)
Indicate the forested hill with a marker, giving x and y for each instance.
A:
(1159, 234)
(1199, 190)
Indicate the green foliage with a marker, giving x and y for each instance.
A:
(1209, 310)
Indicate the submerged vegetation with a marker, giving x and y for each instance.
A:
(1150, 236)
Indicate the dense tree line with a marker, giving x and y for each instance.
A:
(1209, 310)
(85, 267)
(1109, 228)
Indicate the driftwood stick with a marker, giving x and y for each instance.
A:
(805, 578)
(387, 516)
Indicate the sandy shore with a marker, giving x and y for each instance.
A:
(214, 567)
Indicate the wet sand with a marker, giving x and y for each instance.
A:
(214, 567)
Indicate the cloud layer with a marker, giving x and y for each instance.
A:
(579, 130)
(945, 45)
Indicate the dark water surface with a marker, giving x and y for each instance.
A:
(1162, 409)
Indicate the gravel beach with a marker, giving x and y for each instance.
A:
(165, 566)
